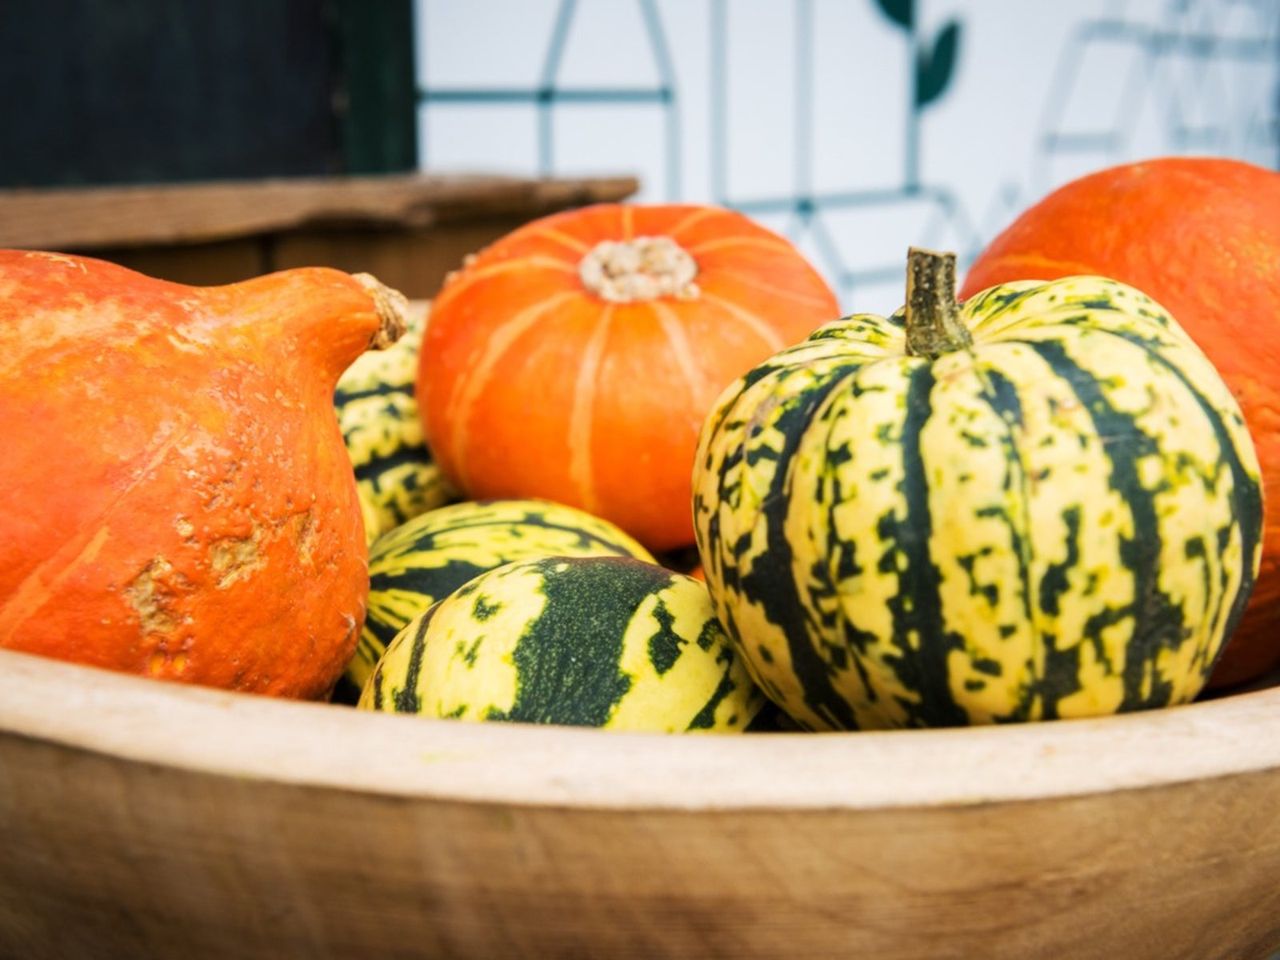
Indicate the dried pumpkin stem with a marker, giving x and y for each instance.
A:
(933, 316)
(645, 268)
(392, 307)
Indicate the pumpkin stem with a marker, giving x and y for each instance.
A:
(646, 268)
(392, 307)
(933, 316)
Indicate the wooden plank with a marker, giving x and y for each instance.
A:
(413, 262)
(199, 265)
(130, 216)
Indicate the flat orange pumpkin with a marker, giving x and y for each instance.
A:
(1201, 236)
(576, 358)
(178, 499)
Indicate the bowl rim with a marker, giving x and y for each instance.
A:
(135, 719)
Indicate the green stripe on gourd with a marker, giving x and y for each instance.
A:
(431, 555)
(1059, 518)
(396, 475)
(609, 642)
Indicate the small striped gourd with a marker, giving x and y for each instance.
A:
(607, 642)
(1042, 503)
(396, 476)
(431, 555)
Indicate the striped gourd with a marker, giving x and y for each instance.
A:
(396, 475)
(1040, 504)
(433, 554)
(585, 641)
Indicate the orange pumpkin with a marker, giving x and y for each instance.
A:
(576, 358)
(1202, 237)
(179, 501)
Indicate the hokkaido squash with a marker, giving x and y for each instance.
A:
(180, 503)
(1038, 505)
(1201, 236)
(575, 359)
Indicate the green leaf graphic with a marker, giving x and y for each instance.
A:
(901, 12)
(935, 65)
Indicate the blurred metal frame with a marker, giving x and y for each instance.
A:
(1150, 49)
(929, 73)
(548, 94)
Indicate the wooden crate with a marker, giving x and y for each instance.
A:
(408, 230)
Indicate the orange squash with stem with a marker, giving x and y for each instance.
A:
(575, 359)
(180, 503)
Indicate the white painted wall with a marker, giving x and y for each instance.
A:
(1167, 76)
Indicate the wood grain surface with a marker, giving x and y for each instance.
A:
(131, 216)
(143, 819)
(407, 230)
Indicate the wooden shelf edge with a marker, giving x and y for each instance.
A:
(138, 216)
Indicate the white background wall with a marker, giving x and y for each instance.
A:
(1156, 76)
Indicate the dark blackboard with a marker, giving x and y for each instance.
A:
(131, 91)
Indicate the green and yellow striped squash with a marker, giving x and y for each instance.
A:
(396, 476)
(609, 642)
(431, 555)
(1041, 503)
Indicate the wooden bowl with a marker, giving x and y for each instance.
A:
(143, 819)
